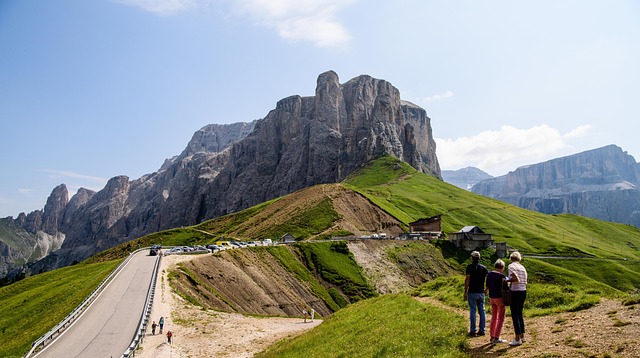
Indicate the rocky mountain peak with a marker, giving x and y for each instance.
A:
(54, 209)
(225, 168)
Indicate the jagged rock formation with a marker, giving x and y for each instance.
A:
(32, 237)
(304, 141)
(601, 183)
(465, 178)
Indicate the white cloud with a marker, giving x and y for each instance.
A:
(61, 174)
(578, 132)
(439, 96)
(500, 151)
(298, 20)
(160, 7)
(294, 20)
(25, 191)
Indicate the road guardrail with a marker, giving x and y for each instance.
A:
(144, 320)
(67, 321)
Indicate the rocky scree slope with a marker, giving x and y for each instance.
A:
(304, 141)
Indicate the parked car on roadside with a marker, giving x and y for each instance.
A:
(155, 249)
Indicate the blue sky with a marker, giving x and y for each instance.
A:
(94, 89)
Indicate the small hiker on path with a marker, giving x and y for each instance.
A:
(305, 313)
(153, 328)
(169, 335)
(161, 322)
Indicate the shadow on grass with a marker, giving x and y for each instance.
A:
(489, 350)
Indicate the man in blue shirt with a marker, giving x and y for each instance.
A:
(474, 293)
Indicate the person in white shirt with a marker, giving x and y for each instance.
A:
(518, 279)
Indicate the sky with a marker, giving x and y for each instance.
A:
(94, 89)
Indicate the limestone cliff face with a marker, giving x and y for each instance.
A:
(304, 141)
(34, 236)
(601, 183)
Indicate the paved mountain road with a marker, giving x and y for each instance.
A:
(108, 326)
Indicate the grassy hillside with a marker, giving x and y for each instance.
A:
(409, 195)
(31, 307)
(386, 326)
(406, 195)
(605, 259)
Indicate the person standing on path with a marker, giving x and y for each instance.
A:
(495, 280)
(305, 313)
(153, 328)
(518, 279)
(161, 322)
(474, 293)
(169, 335)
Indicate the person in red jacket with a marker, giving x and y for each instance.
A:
(495, 280)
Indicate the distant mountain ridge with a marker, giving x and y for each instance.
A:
(304, 141)
(465, 178)
(601, 183)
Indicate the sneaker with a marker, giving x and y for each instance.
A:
(515, 342)
(499, 341)
(481, 333)
(523, 340)
(471, 334)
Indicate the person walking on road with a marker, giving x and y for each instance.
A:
(494, 287)
(153, 328)
(518, 279)
(169, 335)
(474, 293)
(161, 323)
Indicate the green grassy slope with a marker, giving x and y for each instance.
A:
(409, 195)
(31, 307)
(386, 326)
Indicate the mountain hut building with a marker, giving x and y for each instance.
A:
(471, 238)
(426, 227)
(288, 238)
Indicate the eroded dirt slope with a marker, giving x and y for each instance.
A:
(247, 281)
(393, 266)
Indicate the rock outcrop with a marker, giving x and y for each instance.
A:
(304, 141)
(465, 178)
(601, 183)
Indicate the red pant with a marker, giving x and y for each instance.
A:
(497, 317)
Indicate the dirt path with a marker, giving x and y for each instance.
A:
(205, 333)
(609, 329)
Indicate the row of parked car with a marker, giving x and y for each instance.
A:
(211, 248)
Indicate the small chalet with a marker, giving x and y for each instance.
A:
(288, 238)
(471, 238)
(426, 227)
